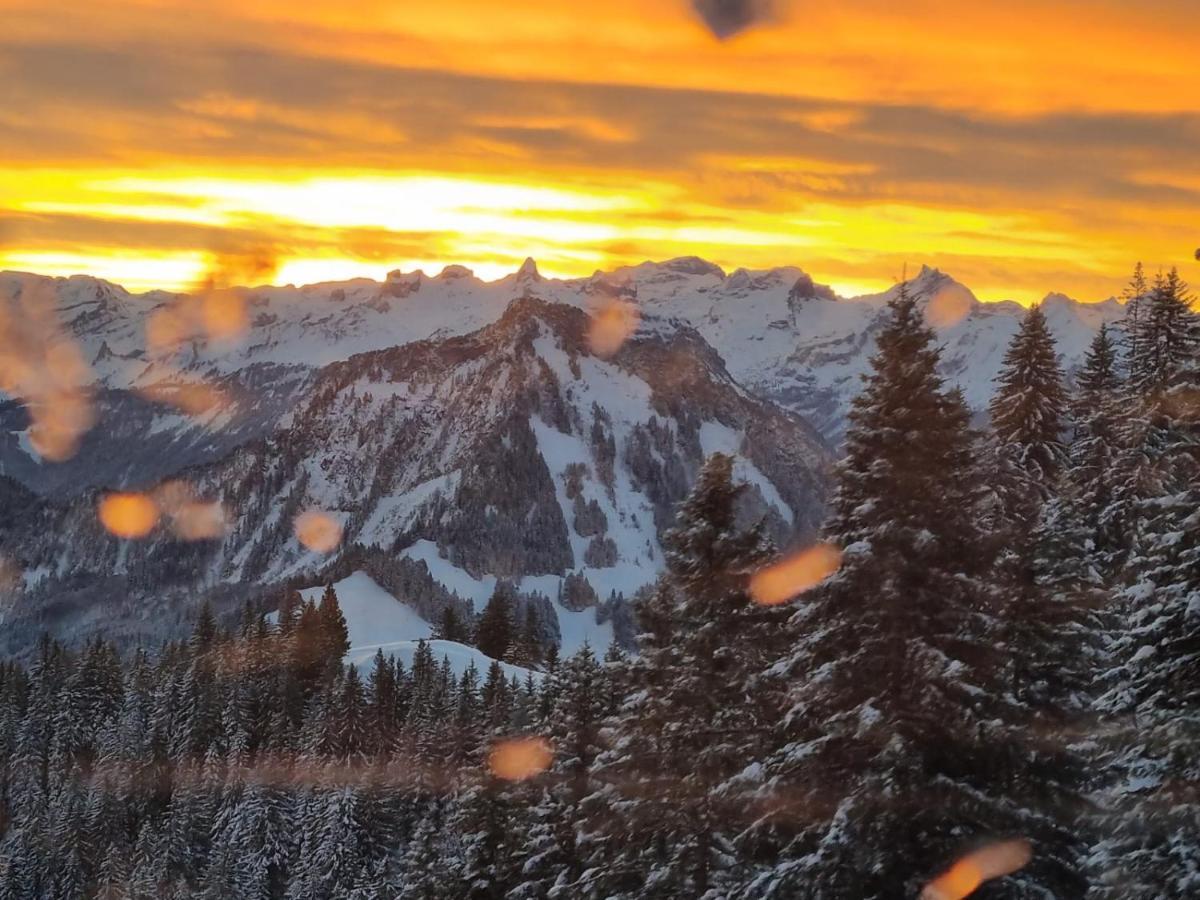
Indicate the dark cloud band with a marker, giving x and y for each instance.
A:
(405, 117)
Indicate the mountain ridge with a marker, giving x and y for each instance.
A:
(781, 334)
(512, 453)
(427, 413)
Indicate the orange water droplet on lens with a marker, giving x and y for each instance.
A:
(959, 881)
(58, 426)
(520, 758)
(41, 366)
(966, 875)
(66, 362)
(199, 521)
(318, 531)
(10, 576)
(192, 397)
(224, 314)
(948, 306)
(172, 495)
(128, 515)
(612, 324)
(784, 580)
(165, 329)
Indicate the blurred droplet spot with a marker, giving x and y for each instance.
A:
(42, 367)
(318, 531)
(166, 328)
(612, 325)
(191, 519)
(791, 577)
(192, 397)
(967, 874)
(215, 311)
(949, 306)
(520, 758)
(10, 578)
(128, 515)
(223, 314)
(201, 521)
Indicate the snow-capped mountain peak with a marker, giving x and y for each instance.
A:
(780, 334)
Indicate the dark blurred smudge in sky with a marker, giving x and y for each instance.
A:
(726, 18)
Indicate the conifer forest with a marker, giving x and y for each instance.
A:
(988, 684)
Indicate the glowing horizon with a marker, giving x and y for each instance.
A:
(153, 137)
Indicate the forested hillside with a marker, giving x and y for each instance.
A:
(1007, 651)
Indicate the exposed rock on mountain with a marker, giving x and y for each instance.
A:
(512, 452)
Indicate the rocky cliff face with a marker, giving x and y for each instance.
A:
(513, 452)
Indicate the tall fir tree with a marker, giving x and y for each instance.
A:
(335, 641)
(1029, 406)
(496, 634)
(1096, 416)
(552, 860)
(1044, 619)
(901, 745)
(1150, 806)
(667, 813)
(1134, 295)
(451, 627)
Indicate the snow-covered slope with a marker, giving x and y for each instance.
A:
(576, 627)
(513, 453)
(462, 432)
(373, 616)
(377, 621)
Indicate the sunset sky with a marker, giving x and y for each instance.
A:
(1023, 146)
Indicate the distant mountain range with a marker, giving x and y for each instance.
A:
(458, 431)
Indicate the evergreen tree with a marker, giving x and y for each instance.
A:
(451, 627)
(289, 611)
(350, 722)
(1094, 447)
(527, 650)
(204, 634)
(552, 860)
(1134, 296)
(1165, 346)
(497, 699)
(261, 832)
(901, 746)
(1157, 434)
(488, 821)
(429, 869)
(308, 657)
(1045, 620)
(466, 739)
(666, 818)
(1149, 804)
(335, 641)
(383, 693)
(114, 876)
(494, 636)
(1150, 801)
(332, 857)
(616, 665)
(1028, 409)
